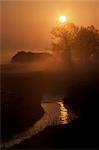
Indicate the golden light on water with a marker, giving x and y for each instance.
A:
(63, 113)
(62, 19)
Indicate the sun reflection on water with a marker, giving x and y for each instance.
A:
(63, 114)
(55, 113)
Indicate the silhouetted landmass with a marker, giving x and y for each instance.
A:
(83, 89)
(80, 133)
(82, 97)
(81, 93)
(29, 56)
(21, 95)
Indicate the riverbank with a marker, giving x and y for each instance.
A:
(71, 135)
(82, 97)
(21, 95)
(79, 133)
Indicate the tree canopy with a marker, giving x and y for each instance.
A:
(84, 41)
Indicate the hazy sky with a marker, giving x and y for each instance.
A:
(27, 24)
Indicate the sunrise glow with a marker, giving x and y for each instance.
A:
(62, 19)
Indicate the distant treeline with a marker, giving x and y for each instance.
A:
(23, 56)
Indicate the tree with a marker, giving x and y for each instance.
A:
(62, 40)
(84, 41)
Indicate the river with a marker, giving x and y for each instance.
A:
(55, 114)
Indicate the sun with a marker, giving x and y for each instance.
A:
(62, 19)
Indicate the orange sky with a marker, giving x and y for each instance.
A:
(27, 24)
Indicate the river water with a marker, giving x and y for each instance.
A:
(55, 114)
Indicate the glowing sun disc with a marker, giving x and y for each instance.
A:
(62, 19)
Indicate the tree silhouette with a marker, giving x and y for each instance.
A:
(84, 41)
(63, 37)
